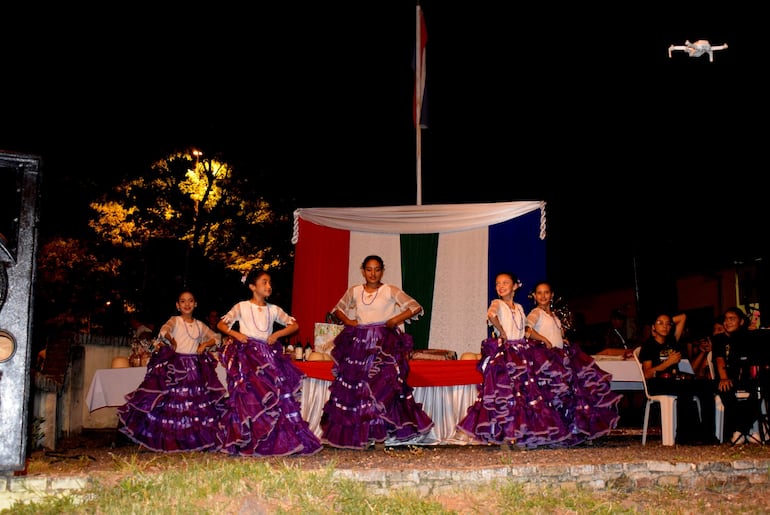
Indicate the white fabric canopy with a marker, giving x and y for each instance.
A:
(417, 219)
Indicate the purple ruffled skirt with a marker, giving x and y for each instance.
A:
(178, 404)
(263, 412)
(370, 400)
(589, 404)
(531, 396)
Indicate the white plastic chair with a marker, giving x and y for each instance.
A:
(719, 413)
(667, 405)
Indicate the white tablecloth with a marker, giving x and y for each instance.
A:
(625, 372)
(109, 386)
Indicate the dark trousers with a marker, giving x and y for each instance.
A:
(689, 427)
(740, 413)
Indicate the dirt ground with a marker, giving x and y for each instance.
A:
(97, 450)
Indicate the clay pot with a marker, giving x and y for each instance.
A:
(120, 362)
(318, 356)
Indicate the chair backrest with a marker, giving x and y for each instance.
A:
(709, 358)
(637, 350)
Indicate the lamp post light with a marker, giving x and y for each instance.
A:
(197, 154)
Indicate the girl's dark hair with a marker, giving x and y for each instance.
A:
(376, 258)
(531, 295)
(183, 291)
(657, 314)
(253, 275)
(513, 277)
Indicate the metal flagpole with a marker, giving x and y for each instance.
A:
(419, 85)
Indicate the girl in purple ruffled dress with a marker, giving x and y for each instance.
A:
(370, 400)
(570, 379)
(510, 408)
(263, 412)
(178, 404)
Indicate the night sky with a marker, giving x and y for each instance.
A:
(635, 152)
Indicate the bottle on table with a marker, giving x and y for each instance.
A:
(299, 352)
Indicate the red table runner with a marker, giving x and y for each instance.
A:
(421, 372)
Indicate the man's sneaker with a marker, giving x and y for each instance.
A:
(737, 438)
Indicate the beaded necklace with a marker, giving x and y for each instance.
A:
(194, 323)
(517, 320)
(254, 320)
(553, 317)
(363, 291)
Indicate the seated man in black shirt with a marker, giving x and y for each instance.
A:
(740, 359)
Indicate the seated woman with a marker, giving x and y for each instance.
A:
(660, 355)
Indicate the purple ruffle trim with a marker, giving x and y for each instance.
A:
(177, 406)
(370, 400)
(531, 396)
(263, 412)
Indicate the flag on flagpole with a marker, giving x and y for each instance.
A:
(419, 111)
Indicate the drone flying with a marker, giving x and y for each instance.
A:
(698, 48)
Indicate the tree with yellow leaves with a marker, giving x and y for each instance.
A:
(198, 200)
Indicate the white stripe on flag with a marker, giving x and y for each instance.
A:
(459, 318)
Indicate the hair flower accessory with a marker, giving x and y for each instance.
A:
(243, 277)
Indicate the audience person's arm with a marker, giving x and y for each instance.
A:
(679, 321)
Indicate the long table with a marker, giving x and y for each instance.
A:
(445, 389)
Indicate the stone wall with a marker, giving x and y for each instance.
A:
(643, 474)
